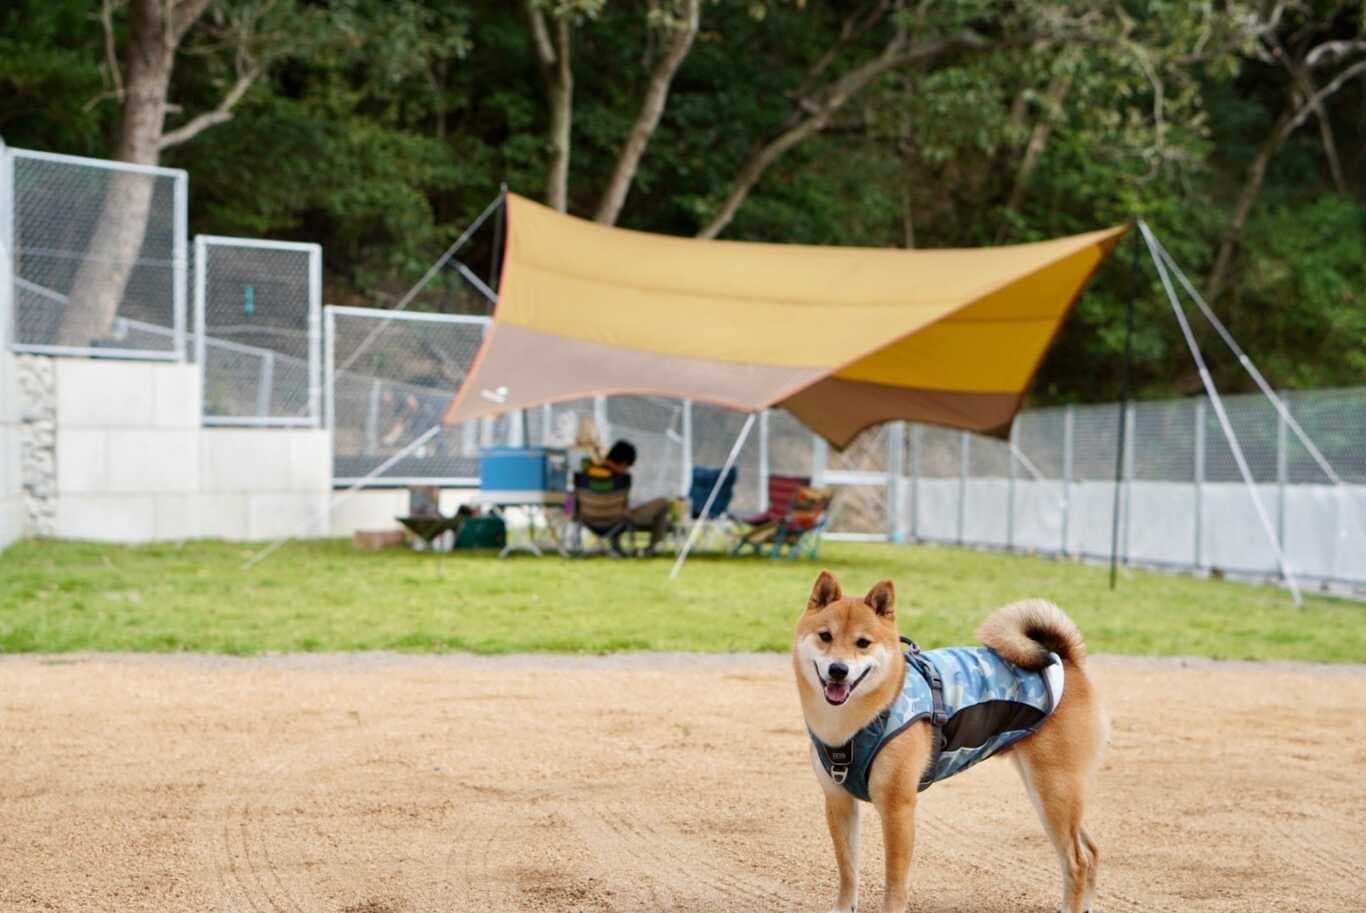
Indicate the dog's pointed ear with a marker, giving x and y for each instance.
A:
(882, 598)
(826, 591)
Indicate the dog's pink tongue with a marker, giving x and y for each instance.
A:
(836, 692)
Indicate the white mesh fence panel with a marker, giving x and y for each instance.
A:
(258, 331)
(655, 426)
(96, 244)
(391, 376)
(714, 431)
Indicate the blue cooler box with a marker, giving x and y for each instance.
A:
(523, 469)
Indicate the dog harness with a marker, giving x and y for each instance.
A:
(977, 705)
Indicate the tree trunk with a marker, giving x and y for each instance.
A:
(98, 288)
(561, 120)
(1038, 141)
(651, 110)
(1247, 197)
(558, 74)
(100, 282)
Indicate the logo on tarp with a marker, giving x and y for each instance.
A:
(498, 395)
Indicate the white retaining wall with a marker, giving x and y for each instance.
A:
(133, 463)
(11, 479)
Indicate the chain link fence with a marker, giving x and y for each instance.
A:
(1182, 500)
(1049, 489)
(99, 248)
(390, 377)
(258, 331)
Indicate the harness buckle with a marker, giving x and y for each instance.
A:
(839, 773)
(939, 718)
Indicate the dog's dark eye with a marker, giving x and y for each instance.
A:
(825, 637)
(862, 643)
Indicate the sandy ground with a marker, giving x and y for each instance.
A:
(388, 784)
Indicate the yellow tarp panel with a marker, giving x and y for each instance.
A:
(991, 345)
(843, 336)
(770, 304)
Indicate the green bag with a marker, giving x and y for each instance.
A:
(488, 531)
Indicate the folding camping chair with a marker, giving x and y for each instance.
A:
(781, 490)
(718, 516)
(796, 517)
(601, 506)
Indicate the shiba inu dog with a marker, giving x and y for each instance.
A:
(885, 724)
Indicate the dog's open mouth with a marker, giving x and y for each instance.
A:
(837, 693)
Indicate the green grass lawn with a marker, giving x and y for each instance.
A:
(323, 595)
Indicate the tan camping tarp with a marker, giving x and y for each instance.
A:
(843, 337)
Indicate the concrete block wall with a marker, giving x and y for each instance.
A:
(12, 507)
(263, 483)
(133, 463)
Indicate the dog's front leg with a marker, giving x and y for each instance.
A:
(898, 838)
(842, 816)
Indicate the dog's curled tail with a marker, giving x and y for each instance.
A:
(1025, 632)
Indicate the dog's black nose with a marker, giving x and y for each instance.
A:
(838, 672)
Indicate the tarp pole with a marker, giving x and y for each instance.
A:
(1123, 410)
(1219, 412)
(1278, 401)
(1248, 365)
(435, 268)
(711, 496)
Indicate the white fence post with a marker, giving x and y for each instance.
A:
(8, 312)
(200, 345)
(763, 462)
(600, 419)
(329, 366)
(180, 262)
(1282, 471)
(1068, 430)
(315, 334)
(965, 443)
(1197, 561)
(896, 470)
(1010, 487)
(916, 432)
(820, 455)
(1128, 518)
(685, 482)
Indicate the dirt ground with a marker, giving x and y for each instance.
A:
(395, 784)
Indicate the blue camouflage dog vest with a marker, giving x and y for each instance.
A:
(977, 705)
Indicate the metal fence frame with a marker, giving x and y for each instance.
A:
(314, 419)
(9, 275)
(8, 313)
(330, 314)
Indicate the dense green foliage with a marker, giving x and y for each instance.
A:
(380, 127)
(323, 595)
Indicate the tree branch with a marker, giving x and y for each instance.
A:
(1317, 98)
(651, 110)
(1332, 50)
(825, 103)
(111, 52)
(218, 115)
(1038, 141)
(1299, 74)
(184, 14)
(545, 50)
(854, 26)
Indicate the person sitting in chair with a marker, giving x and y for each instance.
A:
(653, 514)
